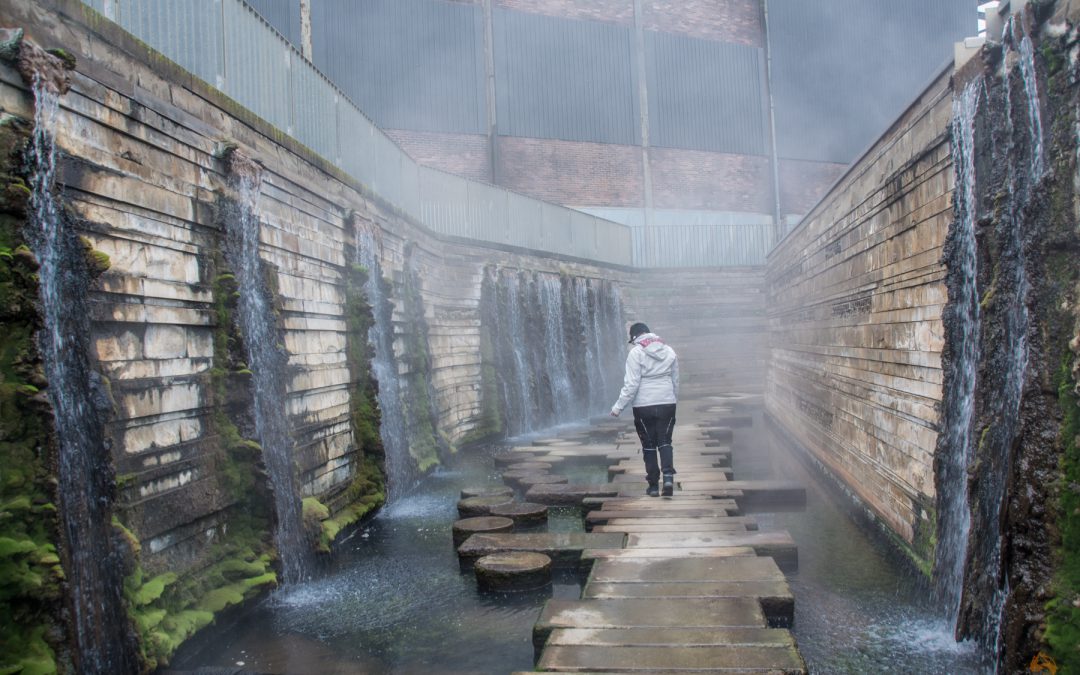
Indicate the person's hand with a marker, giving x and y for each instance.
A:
(614, 412)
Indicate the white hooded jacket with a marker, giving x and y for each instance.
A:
(652, 374)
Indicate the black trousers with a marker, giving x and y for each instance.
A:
(654, 424)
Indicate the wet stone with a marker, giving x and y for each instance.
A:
(513, 571)
(541, 479)
(481, 506)
(466, 527)
(522, 513)
(529, 466)
(487, 491)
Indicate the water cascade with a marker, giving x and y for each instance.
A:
(993, 455)
(86, 487)
(257, 320)
(399, 469)
(954, 445)
(556, 343)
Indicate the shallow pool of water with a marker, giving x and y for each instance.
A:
(858, 607)
(392, 599)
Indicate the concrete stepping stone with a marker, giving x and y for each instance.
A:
(777, 545)
(466, 527)
(522, 513)
(648, 613)
(589, 556)
(514, 456)
(530, 480)
(688, 637)
(480, 506)
(555, 442)
(570, 494)
(564, 548)
(664, 659)
(712, 473)
(685, 570)
(746, 521)
(593, 518)
(757, 492)
(699, 526)
(487, 491)
(529, 466)
(513, 571)
(774, 596)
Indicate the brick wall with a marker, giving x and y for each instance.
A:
(855, 300)
(572, 172)
(694, 179)
(803, 183)
(610, 11)
(726, 20)
(462, 154)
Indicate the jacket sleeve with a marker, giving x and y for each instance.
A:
(631, 382)
(675, 378)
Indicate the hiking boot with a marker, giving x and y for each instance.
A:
(669, 485)
(653, 490)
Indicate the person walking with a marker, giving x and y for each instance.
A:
(651, 382)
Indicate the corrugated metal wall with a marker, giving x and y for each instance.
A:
(284, 15)
(228, 44)
(570, 80)
(842, 70)
(705, 95)
(409, 64)
(701, 245)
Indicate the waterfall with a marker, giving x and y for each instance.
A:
(516, 341)
(556, 346)
(591, 339)
(955, 446)
(256, 317)
(84, 472)
(1035, 132)
(392, 429)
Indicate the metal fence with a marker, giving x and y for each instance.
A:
(231, 47)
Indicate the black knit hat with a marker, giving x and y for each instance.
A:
(638, 329)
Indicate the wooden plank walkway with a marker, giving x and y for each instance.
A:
(692, 586)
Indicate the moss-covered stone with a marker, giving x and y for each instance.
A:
(32, 633)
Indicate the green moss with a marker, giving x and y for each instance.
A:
(365, 493)
(30, 574)
(424, 440)
(1063, 611)
(168, 609)
(66, 57)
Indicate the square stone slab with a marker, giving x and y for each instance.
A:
(564, 548)
(715, 659)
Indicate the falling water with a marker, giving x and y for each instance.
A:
(1021, 177)
(521, 381)
(954, 515)
(1031, 88)
(590, 338)
(267, 362)
(562, 331)
(555, 347)
(381, 336)
(85, 476)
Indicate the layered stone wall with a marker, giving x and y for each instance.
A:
(855, 296)
(142, 146)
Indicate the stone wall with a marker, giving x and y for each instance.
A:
(855, 296)
(142, 145)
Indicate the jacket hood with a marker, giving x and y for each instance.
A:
(653, 345)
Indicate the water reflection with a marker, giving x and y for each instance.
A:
(858, 609)
(394, 601)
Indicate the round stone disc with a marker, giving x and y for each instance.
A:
(522, 513)
(480, 506)
(487, 491)
(466, 527)
(513, 571)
